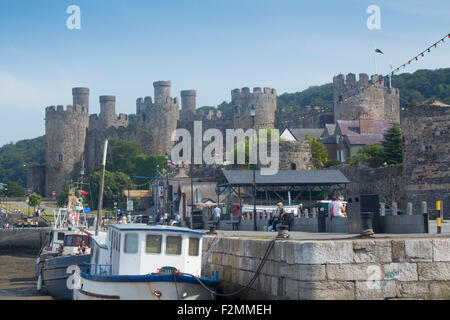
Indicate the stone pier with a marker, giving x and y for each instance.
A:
(397, 268)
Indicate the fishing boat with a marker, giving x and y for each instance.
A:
(68, 230)
(145, 262)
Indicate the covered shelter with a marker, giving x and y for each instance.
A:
(287, 186)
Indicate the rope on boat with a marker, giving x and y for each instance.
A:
(250, 283)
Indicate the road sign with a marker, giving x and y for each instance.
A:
(129, 205)
(87, 210)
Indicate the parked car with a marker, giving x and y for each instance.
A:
(140, 218)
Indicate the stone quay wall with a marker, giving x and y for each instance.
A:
(333, 270)
(23, 240)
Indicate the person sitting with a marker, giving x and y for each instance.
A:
(83, 248)
(339, 208)
(176, 221)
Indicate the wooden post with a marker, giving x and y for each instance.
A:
(425, 216)
(394, 208)
(382, 210)
(409, 209)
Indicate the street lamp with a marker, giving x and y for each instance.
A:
(253, 113)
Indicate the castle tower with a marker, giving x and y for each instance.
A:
(65, 136)
(265, 103)
(81, 97)
(156, 121)
(377, 103)
(188, 105)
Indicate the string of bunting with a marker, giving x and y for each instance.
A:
(353, 96)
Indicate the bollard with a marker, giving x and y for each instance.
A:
(306, 213)
(409, 209)
(283, 231)
(394, 208)
(425, 216)
(382, 210)
(438, 214)
(314, 212)
(367, 229)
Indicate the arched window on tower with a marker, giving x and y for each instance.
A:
(60, 157)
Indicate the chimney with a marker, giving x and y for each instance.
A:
(365, 125)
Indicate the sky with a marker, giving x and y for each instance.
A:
(212, 46)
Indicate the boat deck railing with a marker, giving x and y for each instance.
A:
(96, 269)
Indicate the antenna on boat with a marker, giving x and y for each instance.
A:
(100, 197)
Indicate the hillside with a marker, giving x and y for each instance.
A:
(13, 157)
(414, 88)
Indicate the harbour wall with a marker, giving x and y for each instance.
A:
(29, 240)
(333, 269)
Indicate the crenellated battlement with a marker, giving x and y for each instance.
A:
(353, 98)
(60, 109)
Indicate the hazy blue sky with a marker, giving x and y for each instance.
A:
(212, 46)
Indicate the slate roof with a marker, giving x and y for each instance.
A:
(350, 128)
(300, 134)
(286, 177)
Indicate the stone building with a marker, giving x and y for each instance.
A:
(426, 155)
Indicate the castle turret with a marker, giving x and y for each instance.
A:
(156, 121)
(81, 97)
(162, 89)
(188, 105)
(369, 98)
(65, 136)
(108, 115)
(265, 102)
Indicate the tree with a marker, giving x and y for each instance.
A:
(115, 183)
(15, 190)
(63, 196)
(122, 156)
(392, 145)
(319, 154)
(373, 155)
(34, 200)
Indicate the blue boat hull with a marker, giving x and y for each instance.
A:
(54, 274)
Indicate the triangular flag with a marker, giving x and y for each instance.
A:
(378, 51)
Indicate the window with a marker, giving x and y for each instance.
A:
(131, 243)
(153, 244)
(60, 157)
(173, 245)
(194, 245)
(293, 166)
(69, 240)
(60, 235)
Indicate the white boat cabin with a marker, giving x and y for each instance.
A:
(139, 249)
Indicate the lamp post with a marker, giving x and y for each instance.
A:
(253, 113)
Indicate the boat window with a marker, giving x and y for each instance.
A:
(60, 235)
(194, 245)
(79, 239)
(131, 243)
(68, 241)
(173, 245)
(153, 244)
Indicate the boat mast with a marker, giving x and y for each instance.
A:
(100, 197)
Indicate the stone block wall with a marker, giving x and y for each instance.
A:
(295, 155)
(426, 157)
(334, 270)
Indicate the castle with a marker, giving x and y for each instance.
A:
(74, 139)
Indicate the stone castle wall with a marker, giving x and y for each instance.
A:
(288, 117)
(426, 156)
(65, 138)
(295, 155)
(376, 102)
(265, 103)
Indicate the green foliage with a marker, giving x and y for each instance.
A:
(63, 195)
(321, 96)
(15, 190)
(372, 155)
(115, 183)
(319, 154)
(146, 165)
(392, 145)
(13, 157)
(422, 85)
(122, 156)
(34, 200)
